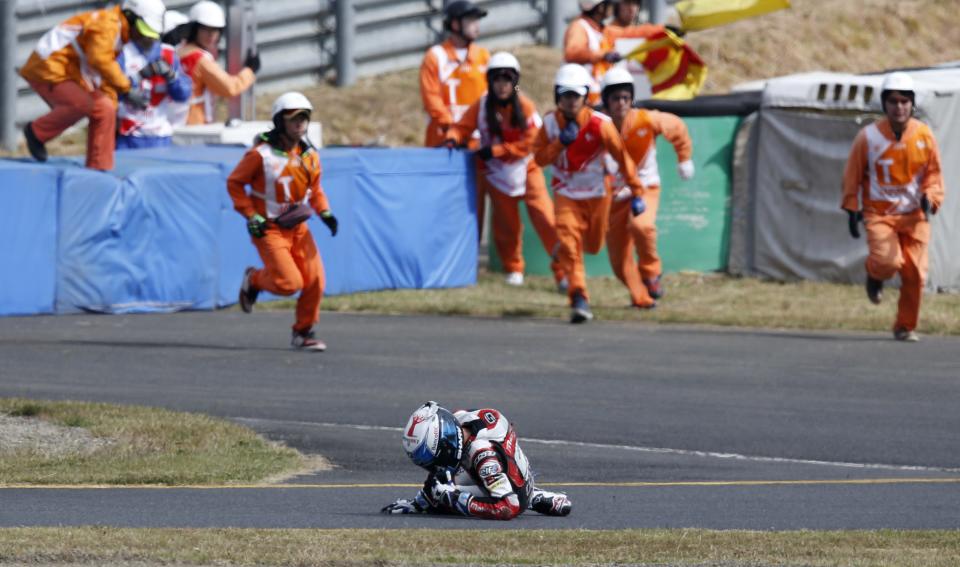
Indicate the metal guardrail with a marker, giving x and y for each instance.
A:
(298, 39)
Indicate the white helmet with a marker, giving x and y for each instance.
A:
(290, 101)
(432, 437)
(209, 14)
(897, 81)
(616, 76)
(503, 60)
(572, 78)
(173, 19)
(587, 5)
(150, 12)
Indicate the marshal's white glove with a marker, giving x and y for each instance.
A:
(685, 169)
(622, 195)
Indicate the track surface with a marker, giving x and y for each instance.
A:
(643, 426)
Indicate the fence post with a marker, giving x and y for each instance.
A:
(658, 11)
(8, 76)
(241, 37)
(554, 24)
(346, 33)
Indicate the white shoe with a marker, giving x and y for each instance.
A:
(514, 278)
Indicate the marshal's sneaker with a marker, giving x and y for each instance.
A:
(514, 279)
(580, 310)
(874, 290)
(248, 293)
(905, 335)
(34, 146)
(306, 341)
(654, 287)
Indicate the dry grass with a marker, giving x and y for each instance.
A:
(99, 546)
(146, 446)
(834, 35)
(711, 299)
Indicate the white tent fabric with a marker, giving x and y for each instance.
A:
(793, 227)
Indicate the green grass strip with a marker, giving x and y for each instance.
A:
(144, 446)
(304, 547)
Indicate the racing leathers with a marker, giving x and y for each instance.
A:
(493, 480)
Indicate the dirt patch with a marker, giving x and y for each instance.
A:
(39, 437)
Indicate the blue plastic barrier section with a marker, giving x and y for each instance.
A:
(160, 232)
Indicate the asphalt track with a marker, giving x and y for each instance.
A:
(643, 426)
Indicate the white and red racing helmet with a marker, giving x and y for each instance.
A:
(432, 438)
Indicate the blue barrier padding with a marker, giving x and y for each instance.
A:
(159, 233)
(29, 251)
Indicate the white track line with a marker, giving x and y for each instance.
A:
(641, 449)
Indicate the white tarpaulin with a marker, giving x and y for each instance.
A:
(792, 226)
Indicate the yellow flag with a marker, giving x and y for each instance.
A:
(675, 70)
(703, 14)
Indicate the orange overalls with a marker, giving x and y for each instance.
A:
(448, 86)
(582, 201)
(509, 177)
(74, 69)
(628, 232)
(889, 177)
(583, 44)
(290, 257)
(209, 79)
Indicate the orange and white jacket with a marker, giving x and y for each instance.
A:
(448, 86)
(579, 169)
(83, 49)
(639, 130)
(889, 176)
(583, 43)
(511, 162)
(276, 179)
(209, 80)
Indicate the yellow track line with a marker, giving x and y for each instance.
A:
(861, 481)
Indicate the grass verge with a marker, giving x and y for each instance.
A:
(95, 545)
(145, 446)
(710, 299)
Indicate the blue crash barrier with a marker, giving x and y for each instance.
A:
(160, 232)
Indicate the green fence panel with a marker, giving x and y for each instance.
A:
(694, 217)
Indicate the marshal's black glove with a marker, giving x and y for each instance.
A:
(853, 220)
(331, 222)
(485, 153)
(256, 225)
(252, 61)
(569, 133)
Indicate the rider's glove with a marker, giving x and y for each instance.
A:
(159, 68)
(256, 225)
(418, 505)
(137, 98)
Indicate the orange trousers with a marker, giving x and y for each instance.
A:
(898, 243)
(291, 264)
(69, 102)
(628, 233)
(508, 229)
(581, 225)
